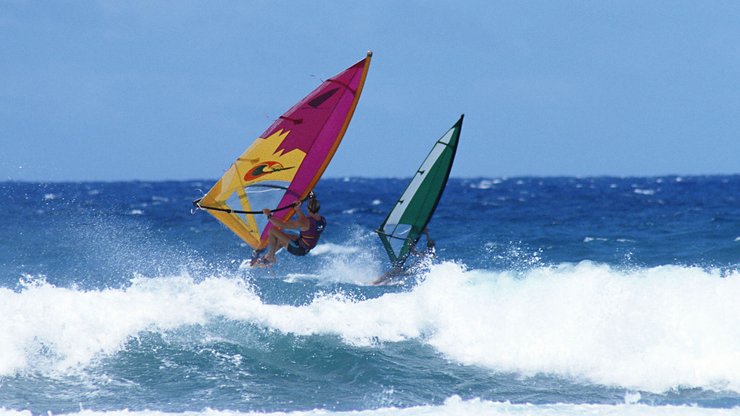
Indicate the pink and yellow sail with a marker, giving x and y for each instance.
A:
(286, 161)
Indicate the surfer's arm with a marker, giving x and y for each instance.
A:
(301, 221)
(290, 224)
(298, 211)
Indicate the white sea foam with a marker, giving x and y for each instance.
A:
(644, 191)
(649, 329)
(330, 248)
(453, 406)
(485, 184)
(625, 240)
(297, 277)
(65, 328)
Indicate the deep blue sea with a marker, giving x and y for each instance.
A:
(548, 296)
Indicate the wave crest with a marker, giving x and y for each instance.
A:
(648, 329)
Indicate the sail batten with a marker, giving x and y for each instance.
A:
(286, 161)
(406, 221)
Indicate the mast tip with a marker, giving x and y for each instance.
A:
(369, 54)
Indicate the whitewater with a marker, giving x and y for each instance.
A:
(645, 329)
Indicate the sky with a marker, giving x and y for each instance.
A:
(176, 90)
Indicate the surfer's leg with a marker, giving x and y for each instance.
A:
(272, 247)
(270, 256)
(278, 240)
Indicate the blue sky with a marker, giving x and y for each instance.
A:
(156, 90)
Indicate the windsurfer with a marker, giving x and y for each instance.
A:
(310, 226)
(420, 255)
(431, 247)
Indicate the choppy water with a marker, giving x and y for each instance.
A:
(548, 296)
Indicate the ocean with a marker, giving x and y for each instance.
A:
(547, 296)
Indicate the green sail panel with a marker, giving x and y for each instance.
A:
(405, 223)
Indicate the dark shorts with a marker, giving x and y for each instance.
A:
(295, 249)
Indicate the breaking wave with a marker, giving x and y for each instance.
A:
(649, 329)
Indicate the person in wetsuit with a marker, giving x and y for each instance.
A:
(310, 226)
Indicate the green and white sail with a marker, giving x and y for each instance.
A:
(405, 223)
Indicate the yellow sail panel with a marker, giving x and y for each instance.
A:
(264, 168)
